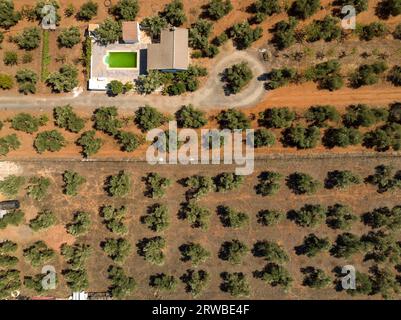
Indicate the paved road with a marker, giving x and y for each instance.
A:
(211, 95)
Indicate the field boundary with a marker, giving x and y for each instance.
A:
(285, 157)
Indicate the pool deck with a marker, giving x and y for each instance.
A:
(100, 70)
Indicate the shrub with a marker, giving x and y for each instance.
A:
(275, 275)
(281, 77)
(114, 219)
(268, 7)
(263, 138)
(326, 74)
(196, 281)
(340, 217)
(384, 282)
(7, 246)
(233, 251)
(14, 218)
(346, 245)
(77, 280)
(129, 141)
(228, 181)
(359, 5)
(233, 119)
(43, 220)
(231, 218)
(268, 183)
(189, 117)
(157, 218)
(198, 216)
(243, 35)
(270, 251)
(341, 179)
(87, 11)
(121, 285)
(117, 249)
(70, 37)
(119, 185)
(303, 9)
(38, 253)
(108, 32)
(382, 247)
(313, 245)
(199, 186)
(115, 87)
(72, 181)
(156, 185)
(318, 116)
(66, 118)
(236, 284)
(315, 278)
(11, 185)
(277, 117)
(80, 224)
(302, 183)
(9, 143)
(28, 39)
(284, 33)
(363, 285)
(49, 141)
(125, 10)
(27, 57)
(384, 179)
(153, 25)
(8, 261)
(148, 118)
(38, 188)
(64, 80)
(184, 81)
(301, 137)
(326, 29)
(9, 281)
(220, 39)
(309, 215)
(90, 145)
(199, 34)
(69, 10)
(217, 9)
(383, 138)
(341, 137)
(372, 30)
(9, 17)
(367, 74)
(270, 217)
(105, 119)
(76, 255)
(361, 115)
(10, 58)
(6, 82)
(174, 13)
(194, 253)
(152, 250)
(384, 217)
(394, 76)
(27, 80)
(237, 77)
(35, 282)
(163, 282)
(27, 123)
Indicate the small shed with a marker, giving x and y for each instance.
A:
(131, 32)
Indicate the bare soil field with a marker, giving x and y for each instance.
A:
(361, 198)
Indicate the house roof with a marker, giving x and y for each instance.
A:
(172, 51)
(130, 31)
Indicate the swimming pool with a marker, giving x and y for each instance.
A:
(122, 60)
